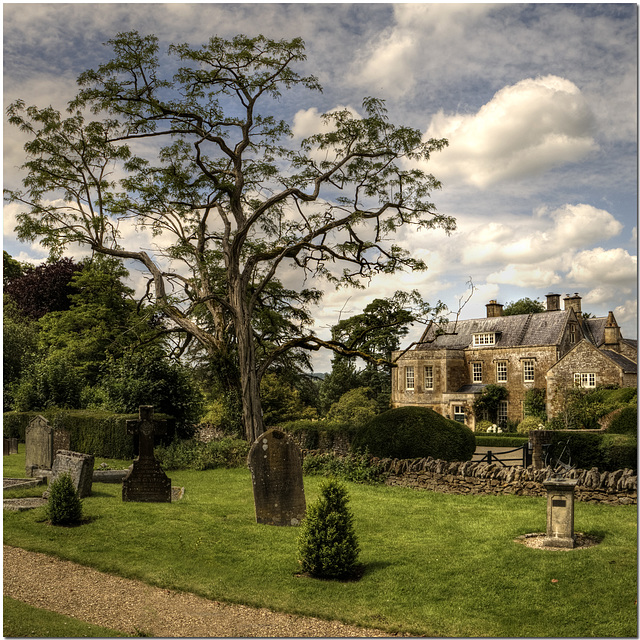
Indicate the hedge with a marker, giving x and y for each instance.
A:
(607, 452)
(99, 433)
(496, 440)
(626, 422)
(311, 432)
(415, 432)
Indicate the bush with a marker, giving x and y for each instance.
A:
(191, 454)
(606, 452)
(483, 425)
(415, 432)
(64, 507)
(530, 423)
(626, 422)
(354, 467)
(327, 545)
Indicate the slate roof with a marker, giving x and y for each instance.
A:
(594, 330)
(525, 330)
(627, 366)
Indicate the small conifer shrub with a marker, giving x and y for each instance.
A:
(64, 507)
(327, 545)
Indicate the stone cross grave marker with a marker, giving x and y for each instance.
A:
(146, 481)
(78, 465)
(276, 472)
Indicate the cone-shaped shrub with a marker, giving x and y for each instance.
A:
(327, 545)
(64, 506)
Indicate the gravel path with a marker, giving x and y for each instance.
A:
(130, 607)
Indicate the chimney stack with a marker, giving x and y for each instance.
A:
(553, 302)
(494, 310)
(612, 334)
(574, 302)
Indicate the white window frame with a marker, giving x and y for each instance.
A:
(428, 377)
(501, 371)
(503, 412)
(528, 370)
(584, 380)
(483, 339)
(409, 378)
(476, 372)
(458, 410)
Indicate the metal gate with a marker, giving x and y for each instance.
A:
(519, 454)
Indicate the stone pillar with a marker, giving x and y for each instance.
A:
(537, 438)
(560, 499)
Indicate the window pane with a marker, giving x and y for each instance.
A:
(428, 377)
(501, 371)
(409, 378)
(477, 371)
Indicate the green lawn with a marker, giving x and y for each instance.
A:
(436, 564)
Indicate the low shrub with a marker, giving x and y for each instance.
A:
(626, 422)
(512, 440)
(64, 507)
(327, 544)
(604, 451)
(483, 425)
(353, 467)
(415, 432)
(529, 424)
(191, 454)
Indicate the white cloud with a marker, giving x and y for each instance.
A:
(525, 129)
(525, 276)
(612, 267)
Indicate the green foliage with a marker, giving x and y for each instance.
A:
(524, 305)
(192, 454)
(353, 467)
(149, 378)
(483, 425)
(415, 432)
(488, 402)
(64, 507)
(281, 402)
(529, 424)
(535, 403)
(626, 422)
(501, 440)
(355, 407)
(327, 545)
(584, 408)
(607, 452)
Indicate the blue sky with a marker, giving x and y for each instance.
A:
(538, 102)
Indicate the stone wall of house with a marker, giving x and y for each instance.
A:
(480, 478)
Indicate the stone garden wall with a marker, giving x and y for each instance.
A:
(478, 478)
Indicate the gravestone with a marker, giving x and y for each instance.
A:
(5, 447)
(38, 446)
(145, 480)
(13, 445)
(78, 465)
(276, 472)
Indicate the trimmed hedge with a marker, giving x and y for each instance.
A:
(626, 422)
(607, 452)
(312, 430)
(98, 433)
(415, 432)
(496, 440)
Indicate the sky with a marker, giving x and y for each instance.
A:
(538, 103)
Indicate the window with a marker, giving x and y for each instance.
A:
(458, 413)
(573, 331)
(481, 339)
(501, 371)
(428, 377)
(477, 371)
(584, 380)
(528, 367)
(409, 378)
(502, 412)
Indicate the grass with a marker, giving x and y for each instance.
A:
(20, 620)
(435, 564)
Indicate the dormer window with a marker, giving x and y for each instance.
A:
(483, 339)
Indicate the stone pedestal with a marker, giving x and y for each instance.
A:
(560, 500)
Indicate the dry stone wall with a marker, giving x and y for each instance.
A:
(478, 478)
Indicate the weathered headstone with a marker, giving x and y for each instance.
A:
(13, 445)
(38, 446)
(145, 480)
(78, 465)
(560, 499)
(276, 471)
(6, 450)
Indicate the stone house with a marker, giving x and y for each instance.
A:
(550, 350)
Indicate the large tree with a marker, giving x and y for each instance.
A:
(217, 174)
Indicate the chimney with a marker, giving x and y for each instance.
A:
(553, 302)
(494, 310)
(612, 334)
(574, 302)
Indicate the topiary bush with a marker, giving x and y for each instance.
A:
(64, 507)
(415, 432)
(327, 544)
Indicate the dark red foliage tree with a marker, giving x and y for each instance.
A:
(45, 288)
